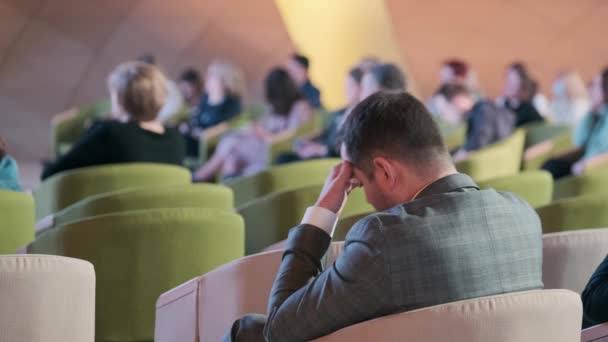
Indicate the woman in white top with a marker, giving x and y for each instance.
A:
(247, 152)
(570, 102)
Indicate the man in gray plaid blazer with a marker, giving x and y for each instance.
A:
(436, 237)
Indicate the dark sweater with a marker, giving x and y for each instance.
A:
(488, 124)
(595, 297)
(112, 142)
(208, 115)
(526, 113)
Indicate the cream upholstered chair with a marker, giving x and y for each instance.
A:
(221, 296)
(46, 299)
(569, 258)
(531, 316)
(598, 333)
(204, 308)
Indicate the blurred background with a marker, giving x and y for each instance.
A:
(55, 55)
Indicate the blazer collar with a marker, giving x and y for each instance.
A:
(448, 184)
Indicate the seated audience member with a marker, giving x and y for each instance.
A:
(452, 71)
(325, 145)
(190, 84)
(246, 152)
(297, 67)
(590, 137)
(9, 171)
(486, 123)
(520, 91)
(138, 91)
(222, 101)
(436, 237)
(174, 100)
(382, 77)
(570, 102)
(595, 297)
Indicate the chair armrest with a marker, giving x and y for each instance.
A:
(538, 150)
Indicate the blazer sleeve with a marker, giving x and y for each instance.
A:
(305, 304)
(595, 295)
(90, 150)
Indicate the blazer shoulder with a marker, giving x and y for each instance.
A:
(371, 227)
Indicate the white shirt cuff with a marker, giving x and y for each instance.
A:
(322, 218)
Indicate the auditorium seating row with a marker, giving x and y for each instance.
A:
(53, 298)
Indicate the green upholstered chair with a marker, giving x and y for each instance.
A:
(138, 255)
(311, 128)
(269, 219)
(497, 160)
(537, 154)
(543, 131)
(582, 212)
(454, 136)
(65, 132)
(16, 220)
(593, 182)
(536, 187)
(280, 178)
(201, 195)
(63, 189)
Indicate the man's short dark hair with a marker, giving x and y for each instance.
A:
(450, 91)
(393, 125)
(389, 77)
(191, 75)
(302, 60)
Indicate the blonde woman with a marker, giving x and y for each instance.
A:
(222, 101)
(135, 134)
(571, 101)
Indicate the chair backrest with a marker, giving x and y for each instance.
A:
(63, 189)
(531, 316)
(542, 131)
(281, 178)
(583, 212)
(140, 254)
(536, 187)
(16, 220)
(591, 183)
(269, 219)
(68, 131)
(497, 160)
(204, 308)
(569, 258)
(210, 196)
(598, 333)
(558, 144)
(46, 299)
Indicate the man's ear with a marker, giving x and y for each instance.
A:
(384, 169)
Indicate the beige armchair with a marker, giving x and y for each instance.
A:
(531, 316)
(204, 308)
(46, 299)
(571, 257)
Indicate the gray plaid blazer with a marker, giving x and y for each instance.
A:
(453, 242)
